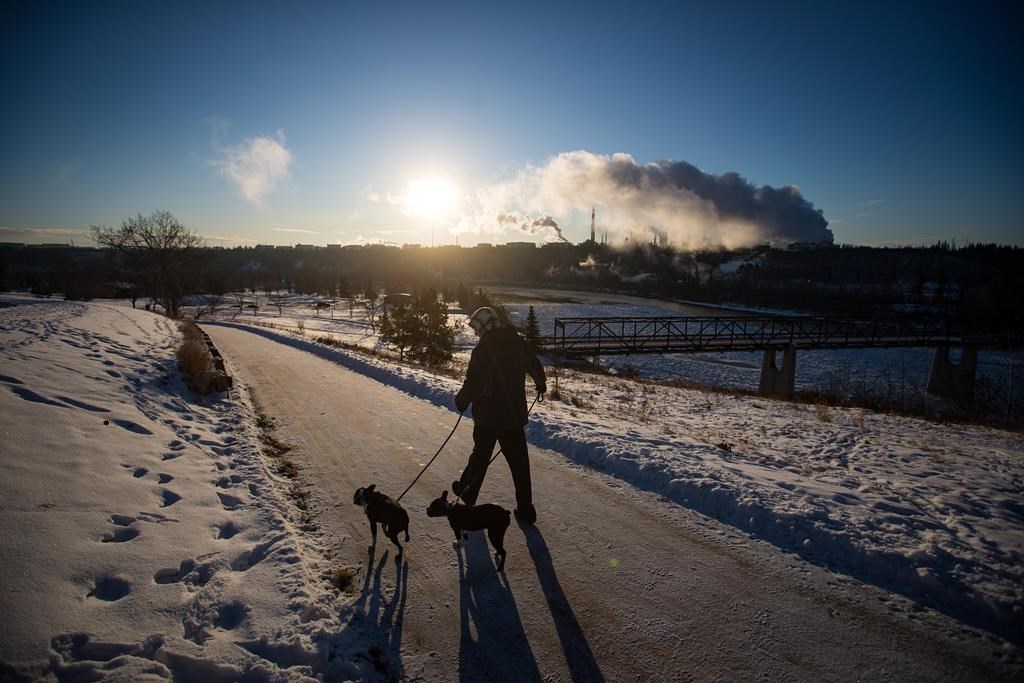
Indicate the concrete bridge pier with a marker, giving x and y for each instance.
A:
(776, 381)
(953, 380)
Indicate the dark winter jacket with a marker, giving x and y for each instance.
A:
(495, 378)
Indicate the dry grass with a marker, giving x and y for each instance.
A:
(823, 412)
(341, 578)
(194, 360)
(287, 468)
(273, 446)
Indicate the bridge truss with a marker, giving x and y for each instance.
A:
(620, 336)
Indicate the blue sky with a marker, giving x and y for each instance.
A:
(411, 122)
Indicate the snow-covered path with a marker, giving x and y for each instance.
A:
(613, 582)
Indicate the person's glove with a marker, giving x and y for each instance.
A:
(461, 403)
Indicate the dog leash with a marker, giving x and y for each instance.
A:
(536, 398)
(432, 459)
(495, 456)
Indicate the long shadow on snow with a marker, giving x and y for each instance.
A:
(500, 650)
(379, 620)
(582, 665)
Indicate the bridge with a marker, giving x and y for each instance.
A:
(575, 337)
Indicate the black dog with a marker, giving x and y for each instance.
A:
(381, 509)
(462, 518)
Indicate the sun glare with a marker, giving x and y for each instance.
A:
(431, 197)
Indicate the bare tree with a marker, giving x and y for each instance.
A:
(161, 253)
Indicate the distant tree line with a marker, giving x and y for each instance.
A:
(977, 279)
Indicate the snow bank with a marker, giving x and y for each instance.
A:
(145, 537)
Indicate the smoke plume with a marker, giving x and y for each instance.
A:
(544, 224)
(675, 200)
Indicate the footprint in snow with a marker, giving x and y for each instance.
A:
(122, 520)
(10, 380)
(140, 472)
(120, 535)
(230, 502)
(226, 530)
(109, 589)
(229, 616)
(131, 426)
(250, 558)
(189, 572)
(33, 397)
(164, 478)
(84, 406)
(113, 373)
(170, 456)
(168, 498)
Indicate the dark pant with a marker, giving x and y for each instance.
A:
(513, 446)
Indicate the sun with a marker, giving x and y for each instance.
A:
(431, 198)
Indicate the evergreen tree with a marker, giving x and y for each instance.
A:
(434, 334)
(422, 329)
(385, 328)
(405, 330)
(531, 331)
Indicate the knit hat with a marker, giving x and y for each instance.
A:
(484, 319)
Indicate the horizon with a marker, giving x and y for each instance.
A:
(316, 123)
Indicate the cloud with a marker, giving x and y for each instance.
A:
(671, 198)
(256, 166)
(229, 240)
(44, 235)
(305, 232)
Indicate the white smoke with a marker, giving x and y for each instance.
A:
(691, 208)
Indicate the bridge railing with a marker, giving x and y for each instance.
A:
(624, 335)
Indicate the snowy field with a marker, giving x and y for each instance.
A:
(894, 372)
(147, 534)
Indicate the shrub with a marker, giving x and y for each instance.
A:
(341, 578)
(195, 362)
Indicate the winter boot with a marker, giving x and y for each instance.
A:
(526, 514)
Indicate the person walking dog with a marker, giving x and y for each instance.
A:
(495, 388)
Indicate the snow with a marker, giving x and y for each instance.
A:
(148, 535)
(145, 534)
(927, 510)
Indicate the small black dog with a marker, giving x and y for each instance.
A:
(463, 518)
(381, 509)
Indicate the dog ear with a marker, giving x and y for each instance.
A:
(370, 487)
(444, 496)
